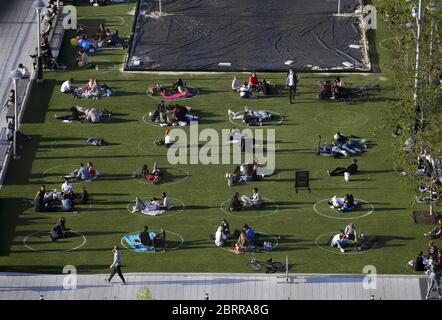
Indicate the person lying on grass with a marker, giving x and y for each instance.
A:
(352, 169)
(345, 204)
(167, 141)
(251, 117)
(352, 145)
(59, 230)
(79, 113)
(154, 176)
(172, 115)
(255, 201)
(155, 204)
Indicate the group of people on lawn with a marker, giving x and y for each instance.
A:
(245, 237)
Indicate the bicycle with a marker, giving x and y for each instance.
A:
(269, 264)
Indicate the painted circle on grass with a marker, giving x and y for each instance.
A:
(146, 147)
(41, 238)
(167, 213)
(271, 123)
(387, 40)
(230, 243)
(50, 178)
(338, 181)
(247, 211)
(195, 93)
(78, 210)
(334, 119)
(323, 209)
(178, 243)
(321, 243)
(162, 182)
(91, 149)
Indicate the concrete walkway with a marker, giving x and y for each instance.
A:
(18, 36)
(194, 286)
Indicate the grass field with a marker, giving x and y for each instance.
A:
(57, 148)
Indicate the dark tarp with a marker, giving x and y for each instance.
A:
(261, 35)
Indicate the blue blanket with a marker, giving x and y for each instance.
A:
(134, 243)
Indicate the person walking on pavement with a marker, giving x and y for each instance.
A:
(433, 278)
(291, 82)
(116, 265)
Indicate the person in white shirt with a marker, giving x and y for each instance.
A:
(167, 203)
(116, 266)
(66, 87)
(339, 240)
(255, 201)
(235, 84)
(245, 91)
(66, 187)
(219, 239)
(291, 82)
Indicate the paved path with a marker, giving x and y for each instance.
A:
(194, 286)
(18, 40)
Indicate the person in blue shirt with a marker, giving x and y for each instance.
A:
(250, 233)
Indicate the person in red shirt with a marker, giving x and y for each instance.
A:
(253, 80)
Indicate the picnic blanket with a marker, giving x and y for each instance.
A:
(133, 241)
(175, 95)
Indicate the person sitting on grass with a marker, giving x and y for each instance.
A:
(255, 201)
(66, 203)
(164, 203)
(81, 173)
(242, 244)
(67, 87)
(352, 169)
(83, 60)
(235, 203)
(180, 86)
(245, 91)
(435, 233)
(351, 233)
(66, 188)
(340, 241)
(419, 263)
(345, 204)
(235, 83)
(252, 81)
(42, 200)
(167, 141)
(59, 230)
(250, 233)
(82, 198)
(93, 173)
(219, 237)
(145, 237)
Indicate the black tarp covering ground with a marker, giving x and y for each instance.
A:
(261, 35)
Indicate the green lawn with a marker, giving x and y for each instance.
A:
(57, 148)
